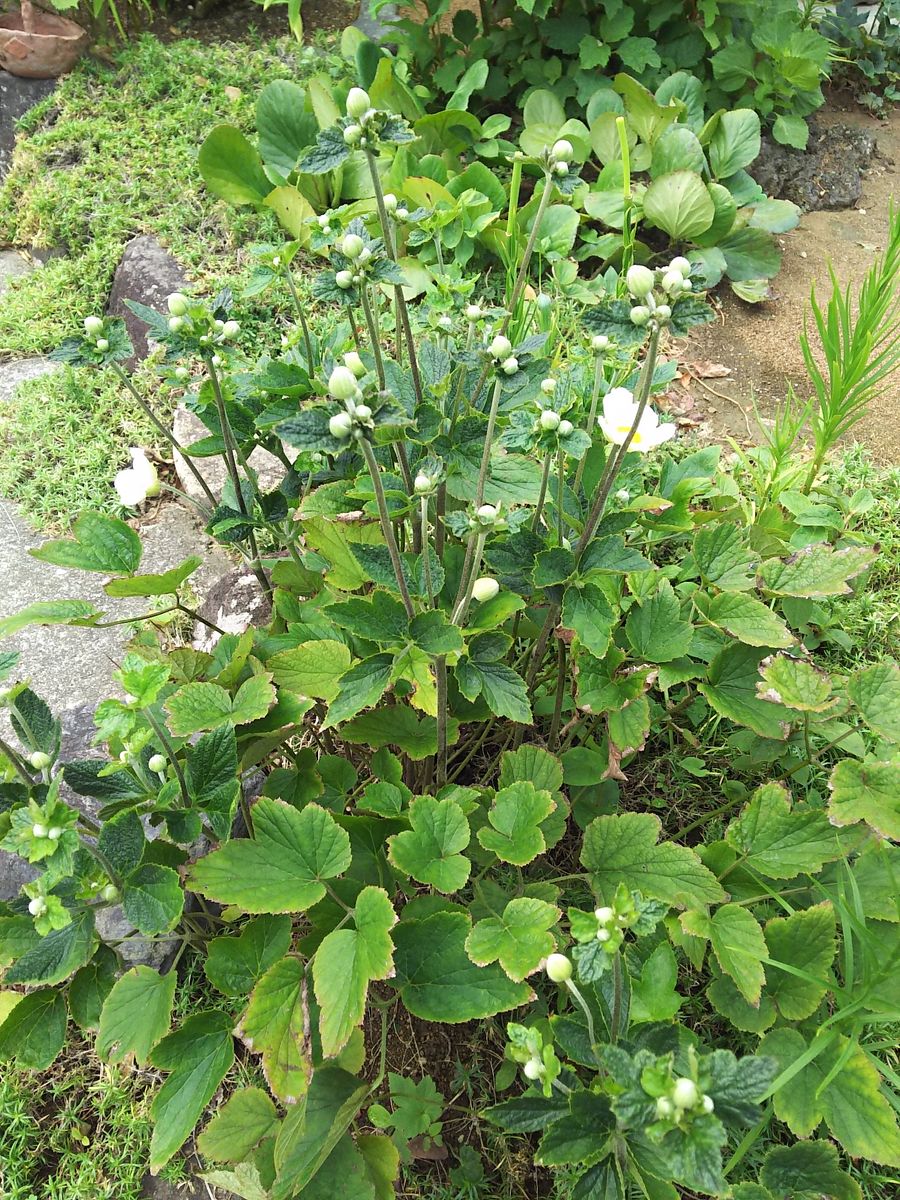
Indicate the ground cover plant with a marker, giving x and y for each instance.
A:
(497, 590)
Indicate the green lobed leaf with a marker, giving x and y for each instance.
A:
(876, 693)
(519, 938)
(282, 867)
(655, 629)
(398, 726)
(313, 1128)
(748, 619)
(165, 584)
(795, 683)
(152, 898)
(239, 1126)
(514, 832)
(723, 558)
(588, 613)
(312, 668)
(866, 791)
(90, 987)
(360, 687)
(430, 850)
(234, 964)
(815, 571)
(808, 1168)
(136, 1014)
(50, 612)
(99, 543)
(804, 941)
(737, 942)
(34, 1031)
(730, 688)
(200, 706)
(58, 955)
(779, 840)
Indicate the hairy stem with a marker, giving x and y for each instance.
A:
(387, 527)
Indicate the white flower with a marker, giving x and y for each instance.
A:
(135, 483)
(619, 411)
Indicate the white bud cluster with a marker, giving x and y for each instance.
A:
(361, 114)
(673, 280)
(560, 155)
(684, 1097)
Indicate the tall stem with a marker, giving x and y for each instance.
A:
(592, 419)
(440, 671)
(166, 433)
(166, 744)
(522, 277)
(488, 440)
(459, 613)
(17, 763)
(374, 334)
(560, 694)
(560, 494)
(300, 316)
(542, 495)
(426, 550)
(387, 527)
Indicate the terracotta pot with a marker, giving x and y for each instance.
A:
(39, 45)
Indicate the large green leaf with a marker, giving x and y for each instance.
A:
(737, 942)
(165, 584)
(198, 1055)
(624, 849)
(99, 543)
(655, 628)
(233, 964)
(152, 898)
(200, 706)
(749, 620)
(876, 693)
(731, 690)
(346, 963)
(285, 127)
(735, 142)
(722, 557)
(866, 791)
(780, 840)
(282, 867)
(807, 1168)
(514, 833)
(679, 204)
(231, 168)
(398, 726)
(437, 980)
(588, 613)
(33, 1032)
(360, 687)
(136, 1014)
(90, 986)
(239, 1126)
(430, 851)
(518, 938)
(50, 612)
(313, 1128)
(275, 1027)
(56, 956)
(312, 668)
(796, 683)
(816, 571)
(804, 942)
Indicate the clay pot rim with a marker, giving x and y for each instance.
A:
(56, 27)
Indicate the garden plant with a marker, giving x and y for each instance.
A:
(496, 586)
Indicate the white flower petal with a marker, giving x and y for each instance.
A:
(131, 487)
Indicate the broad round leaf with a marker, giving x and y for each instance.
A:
(679, 204)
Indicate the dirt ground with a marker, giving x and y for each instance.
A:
(760, 343)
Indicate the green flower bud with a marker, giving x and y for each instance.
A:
(422, 484)
(175, 323)
(664, 1108)
(157, 764)
(548, 386)
(390, 202)
(549, 420)
(639, 280)
(559, 968)
(544, 302)
(231, 329)
(680, 264)
(501, 347)
(672, 281)
(510, 365)
(533, 1069)
(342, 383)
(93, 326)
(640, 314)
(685, 1093)
(562, 150)
(182, 373)
(355, 364)
(54, 833)
(402, 212)
(474, 313)
(110, 893)
(38, 830)
(707, 1104)
(604, 914)
(565, 429)
(561, 168)
(487, 514)
(102, 345)
(340, 426)
(686, 285)
(600, 342)
(177, 304)
(485, 588)
(352, 245)
(38, 906)
(344, 279)
(352, 135)
(358, 103)
(363, 413)
(39, 760)
(663, 313)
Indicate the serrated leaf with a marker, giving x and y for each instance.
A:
(275, 1027)
(804, 941)
(347, 961)
(866, 791)
(201, 706)
(50, 612)
(312, 668)
(816, 571)
(430, 851)
(34, 1030)
(624, 849)
(728, 1001)
(99, 543)
(730, 688)
(56, 956)
(588, 613)
(654, 996)
(234, 964)
(165, 584)
(503, 689)
(282, 867)
(360, 687)
(198, 1055)
(737, 942)
(808, 1169)
(722, 557)
(239, 1126)
(437, 980)
(313, 1128)
(876, 693)
(136, 1014)
(398, 726)
(781, 841)
(795, 683)
(655, 629)
(518, 939)
(532, 763)
(514, 832)
(90, 986)
(749, 620)
(152, 898)
(122, 840)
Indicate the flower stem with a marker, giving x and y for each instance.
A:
(522, 276)
(592, 419)
(17, 762)
(387, 527)
(374, 335)
(440, 672)
(289, 276)
(542, 494)
(459, 613)
(160, 731)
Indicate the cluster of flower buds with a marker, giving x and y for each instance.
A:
(360, 113)
(683, 1097)
(94, 328)
(216, 332)
(500, 351)
(560, 155)
(356, 417)
(641, 281)
(487, 516)
(537, 1059)
(359, 255)
(549, 420)
(394, 208)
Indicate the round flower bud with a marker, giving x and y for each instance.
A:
(340, 426)
(685, 1093)
(559, 968)
(639, 280)
(510, 365)
(501, 346)
(357, 278)
(664, 1108)
(600, 342)
(561, 168)
(473, 312)
(544, 302)
(364, 255)
(103, 344)
(390, 202)
(344, 279)
(204, 340)
(548, 386)
(54, 833)
(680, 264)
(402, 212)
(640, 314)
(324, 220)
(358, 103)
(157, 763)
(231, 329)
(342, 383)
(663, 313)
(177, 304)
(485, 588)
(549, 420)
(565, 429)
(38, 906)
(216, 360)
(352, 245)
(354, 363)
(352, 135)
(39, 760)
(686, 285)
(487, 512)
(363, 413)
(110, 893)
(672, 281)
(533, 1069)
(623, 495)
(422, 484)
(182, 373)
(276, 258)
(175, 323)
(445, 321)
(603, 935)
(93, 326)
(562, 150)
(707, 1104)
(220, 325)
(604, 914)
(39, 831)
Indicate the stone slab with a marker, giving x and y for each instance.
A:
(13, 265)
(17, 96)
(19, 371)
(188, 428)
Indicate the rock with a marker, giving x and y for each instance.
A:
(188, 428)
(154, 1188)
(13, 265)
(234, 603)
(377, 28)
(147, 274)
(15, 872)
(17, 96)
(14, 373)
(114, 926)
(827, 175)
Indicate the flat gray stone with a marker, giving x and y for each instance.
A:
(188, 428)
(375, 27)
(13, 265)
(148, 274)
(19, 371)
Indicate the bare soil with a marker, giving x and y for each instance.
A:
(760, 343)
